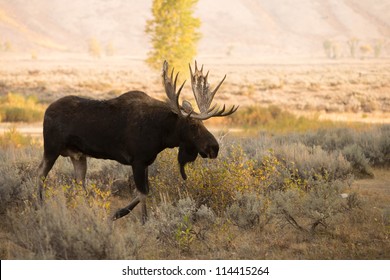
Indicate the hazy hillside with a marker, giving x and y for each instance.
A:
(229, 28)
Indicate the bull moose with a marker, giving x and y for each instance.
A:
(131, 129)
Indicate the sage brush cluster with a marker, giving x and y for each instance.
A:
(257, 188)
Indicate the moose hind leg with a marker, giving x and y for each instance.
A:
(80, 168)
(140, 173)
(124, 211)
(142, 184)
(44, 168)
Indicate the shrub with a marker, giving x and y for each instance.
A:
(12, 190)
(321, 205)
(372, 142)
(360, 164)
(329, 139)
(72, 226)
(18, 108)
(17, 177)
(14, 139)
(375, 145)
(210, 182)
(205, 220)
(173, 224)
(247, 210)
(215, 183)
(311, 162)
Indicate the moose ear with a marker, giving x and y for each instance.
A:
(186, 154)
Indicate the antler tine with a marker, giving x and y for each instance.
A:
(212, 94)
(232, 110)
(200, 88)
(204, 96)
(217, 88)
(222, 112)
(216, 113)
(213, 108)
(174, 84)
(170, 88)
(196, 67)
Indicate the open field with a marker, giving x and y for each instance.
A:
(344, 90)
(287, 184)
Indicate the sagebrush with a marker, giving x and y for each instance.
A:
(275, 197)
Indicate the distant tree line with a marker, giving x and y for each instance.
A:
(355, 48)
(96, 50)
(5, 46)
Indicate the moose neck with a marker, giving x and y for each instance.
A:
(172, 132)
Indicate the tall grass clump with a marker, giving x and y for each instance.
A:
(71, 225)
(14, 190)
(14, 139)
(17, 176)
(18, 108)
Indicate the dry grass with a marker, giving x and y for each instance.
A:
(263, 198)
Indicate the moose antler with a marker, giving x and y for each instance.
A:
(170, 89)
(202, 93)
(204, 96)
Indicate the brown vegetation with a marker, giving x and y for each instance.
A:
(291, 196)
(325, 89)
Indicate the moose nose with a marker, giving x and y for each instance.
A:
(212, 151)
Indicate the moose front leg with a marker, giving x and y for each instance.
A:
(140, 173)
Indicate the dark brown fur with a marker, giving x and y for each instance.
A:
(131, 129)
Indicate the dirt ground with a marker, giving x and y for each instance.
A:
(377, 189)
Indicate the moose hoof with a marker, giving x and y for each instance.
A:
(120, 213)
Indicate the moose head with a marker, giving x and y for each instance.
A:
(196, 138)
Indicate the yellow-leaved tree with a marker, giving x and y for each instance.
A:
(174, 34)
